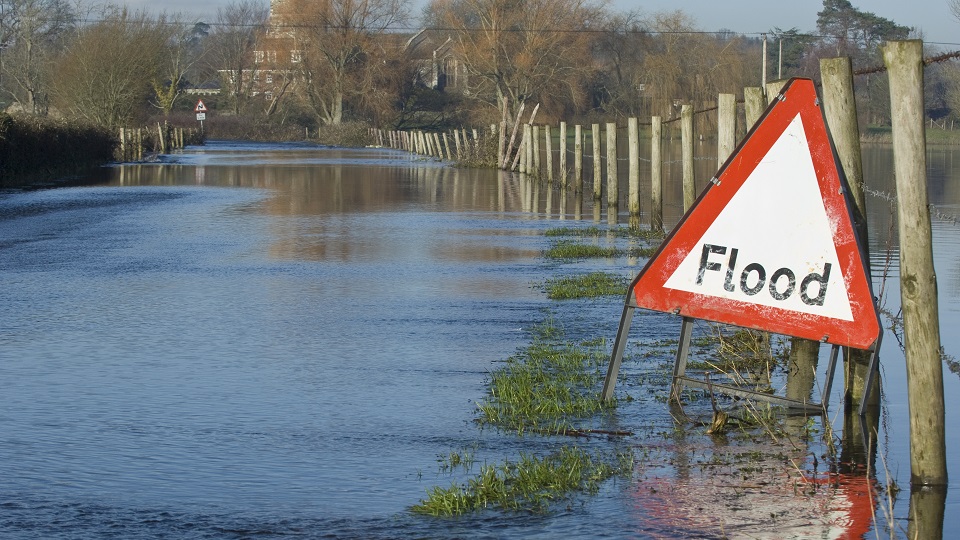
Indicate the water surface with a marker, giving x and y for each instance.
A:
(280, 340)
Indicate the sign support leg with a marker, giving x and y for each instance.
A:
(680, 365)
(616, 357)
(872, 372)
(828, 384)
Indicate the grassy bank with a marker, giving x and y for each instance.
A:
(34, 149)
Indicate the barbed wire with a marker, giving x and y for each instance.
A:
(891, 198)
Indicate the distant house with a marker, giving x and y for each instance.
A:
(438, 66)
(277, 58)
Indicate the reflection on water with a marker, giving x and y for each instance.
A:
(275, 340)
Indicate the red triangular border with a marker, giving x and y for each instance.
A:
(799, 96)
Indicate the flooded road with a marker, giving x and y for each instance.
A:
(280, 340)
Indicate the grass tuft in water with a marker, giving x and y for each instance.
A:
(592, 285)
(546, 386)
(567, 249)
(596, 232)
(530, 484)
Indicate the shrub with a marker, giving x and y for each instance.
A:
(35, 148)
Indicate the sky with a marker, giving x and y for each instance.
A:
(932, 17)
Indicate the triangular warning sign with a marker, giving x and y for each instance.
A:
(770, 244)
(201, 107)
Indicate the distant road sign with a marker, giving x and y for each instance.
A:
(200, 108)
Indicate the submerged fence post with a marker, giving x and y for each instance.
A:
(656, 175)
(535, 141)
(613, 192)
(840, 110)
(548, 152)
(563, 154)
(686, 142)
(633, 194)
(577, 159)
(597, 164)
(918, 282)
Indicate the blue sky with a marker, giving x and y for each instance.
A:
(933, 17)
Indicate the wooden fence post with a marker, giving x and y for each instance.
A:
(548, 152)
(446, 145)
(613, 192)
(563, 154)
(753, 105)
(840, 110)
(726, 127)
(686, 142)
(597, 164)
(535, 142)
(577, 159)
(633, 193)
(773, 89)
(656, 174)
(918, 282)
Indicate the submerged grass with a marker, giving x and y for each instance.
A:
(596, 232)
(530, 484)
(592, 285)
(547, 386)
(567, 249)
(544, 389)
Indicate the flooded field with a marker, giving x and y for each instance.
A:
(276, 341)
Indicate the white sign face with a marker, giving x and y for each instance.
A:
(773, 243)
(201, 116)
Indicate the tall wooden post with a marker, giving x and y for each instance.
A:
(840, 110)
(633, 195)
(918, 282)
(597, 164)
(613, 193)
(535, 142)
(577, 159)
(525, 150)
(563, 154)
(446, 146)
(753, 104)
(548, 152)
(726, 127)
(686, 143)
(656, 175)
(436, 144)
(773, 89)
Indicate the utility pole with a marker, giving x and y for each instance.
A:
(763, 79)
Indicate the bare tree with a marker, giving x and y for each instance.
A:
(523, 50)
(343, 43)
(106, 71)
(234, 40)
(179, 56)
(31, 32)
(684, 64)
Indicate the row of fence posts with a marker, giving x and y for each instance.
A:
(918, 280)
(466, 145)
(134, 142)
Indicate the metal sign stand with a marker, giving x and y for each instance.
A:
(680, 378)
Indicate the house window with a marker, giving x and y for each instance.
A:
(296, 57)
(268, 78)
(272, 56)
(258, 57)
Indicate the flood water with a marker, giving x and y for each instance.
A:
(266, 341)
